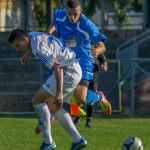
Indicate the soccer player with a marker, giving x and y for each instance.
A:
(58, 88)
(77, 32)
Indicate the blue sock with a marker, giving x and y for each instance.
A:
(92, 97)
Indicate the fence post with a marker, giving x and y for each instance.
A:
(133, 87)
(25, 14)
(48, 13)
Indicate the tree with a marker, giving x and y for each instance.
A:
(40, 12)
(120, 8)
(89, 8)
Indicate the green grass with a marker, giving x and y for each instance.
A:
(105, 134)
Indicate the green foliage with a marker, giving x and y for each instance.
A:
(138, 5)
(40, 12)
(59, 4)
(89, 6)
(120, 8)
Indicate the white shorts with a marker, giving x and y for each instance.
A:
(72, 76)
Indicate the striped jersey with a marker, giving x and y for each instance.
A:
(78, 36)
(48, 48)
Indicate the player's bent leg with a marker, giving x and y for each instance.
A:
(93, 97)
(42, 111)
(80, 94)
(104, 104)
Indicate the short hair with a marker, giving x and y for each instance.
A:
(16, 34)
(73, 3)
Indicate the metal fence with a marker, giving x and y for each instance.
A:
(135, 60)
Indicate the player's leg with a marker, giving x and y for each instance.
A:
(74, 111)
(93, 85)
(52, 119)
(82, 94)
(65, 120)
(93, 97)
(42, 111)
(63, 115)
(89, 114)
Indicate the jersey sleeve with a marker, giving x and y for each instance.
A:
(55, 15)
(58, 15)
(94, 33)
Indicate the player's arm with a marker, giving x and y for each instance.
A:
(59, 83)
(103, 60)
(98, 49)
(25, 58)
(51, 28)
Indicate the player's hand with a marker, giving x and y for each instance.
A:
(104, 66)
(95, 52)
(25, 58)
(98, 49)
(59, 100)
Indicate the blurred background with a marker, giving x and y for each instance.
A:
(126, 23)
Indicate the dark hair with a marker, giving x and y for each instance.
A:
(16, 34)
(73, 3)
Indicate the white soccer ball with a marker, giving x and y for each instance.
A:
(132, 143)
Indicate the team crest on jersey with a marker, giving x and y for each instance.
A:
(71, 43)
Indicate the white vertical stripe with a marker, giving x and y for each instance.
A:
(82, 31)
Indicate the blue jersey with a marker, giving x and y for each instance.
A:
(78, 36)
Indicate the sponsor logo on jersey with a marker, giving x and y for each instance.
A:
(71, 43)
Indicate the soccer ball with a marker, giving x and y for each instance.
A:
(132, 143)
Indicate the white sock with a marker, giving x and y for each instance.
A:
(65, 120)
(44, 118)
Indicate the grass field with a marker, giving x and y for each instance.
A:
(105, 134)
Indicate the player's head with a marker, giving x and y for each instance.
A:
(73, 10)
(19, 39)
